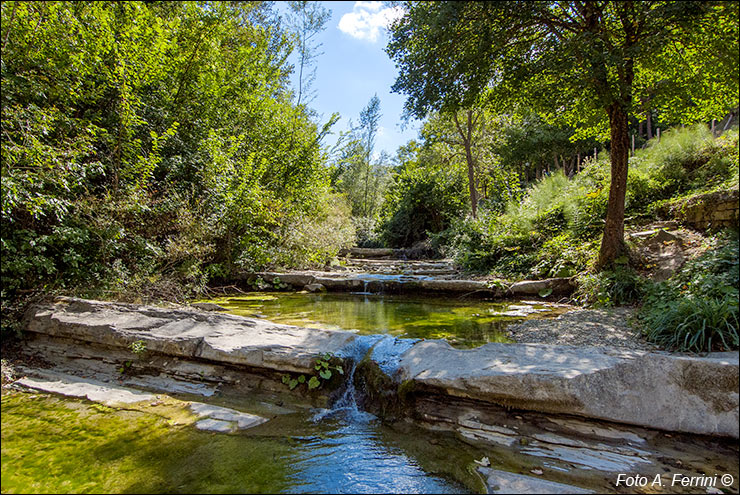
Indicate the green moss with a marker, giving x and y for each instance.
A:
(405, 388)
(52, 445)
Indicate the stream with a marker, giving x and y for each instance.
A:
(53, 444)
(464, 323)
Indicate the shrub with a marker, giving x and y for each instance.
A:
(617, 287)
(420, 202)
(563, 256)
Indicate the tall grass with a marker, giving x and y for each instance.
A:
(697, 309)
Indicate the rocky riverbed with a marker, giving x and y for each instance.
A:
(546, 416)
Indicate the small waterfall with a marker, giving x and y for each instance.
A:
(386, 351)
(347, 402)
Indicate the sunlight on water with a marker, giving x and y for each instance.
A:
(59, 445)
(463, 322)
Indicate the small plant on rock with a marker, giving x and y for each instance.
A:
(138, 347)
(324, 366)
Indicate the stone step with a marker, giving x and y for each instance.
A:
(353, 281)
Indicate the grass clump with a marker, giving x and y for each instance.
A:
(617, 287)
(697, 309)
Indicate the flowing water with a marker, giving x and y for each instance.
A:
(61, 445)
(463, 322)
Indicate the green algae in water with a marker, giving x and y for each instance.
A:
(62, 445)
(463, 323)
(52, 445)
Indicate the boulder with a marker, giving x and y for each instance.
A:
(559, 286)
(314, 288)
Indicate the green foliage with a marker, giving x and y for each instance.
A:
(144, 149)
(616, 287)
(324, 365)
(138, 347)
(681, 55)
(554, 230)
(422, 199)
(697, 309)
(602, 58)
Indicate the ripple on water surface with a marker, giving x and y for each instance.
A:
(351, 458)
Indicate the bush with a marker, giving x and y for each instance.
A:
(421, 201)
(697, 309)
(617, 287)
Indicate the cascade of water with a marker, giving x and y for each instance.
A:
(386, 351)
(347, 402)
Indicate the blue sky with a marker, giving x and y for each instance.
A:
(354, 67)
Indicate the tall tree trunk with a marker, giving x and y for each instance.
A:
(649, 126)
(471, 180)
(466, 136)
(612, 243)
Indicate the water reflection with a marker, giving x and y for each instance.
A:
(464, 323)
(350, 457)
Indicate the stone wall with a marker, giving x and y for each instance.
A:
(711, 210)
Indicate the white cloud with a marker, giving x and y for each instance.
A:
(367, 18)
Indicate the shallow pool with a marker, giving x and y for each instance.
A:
(463, 322)
(60, 445)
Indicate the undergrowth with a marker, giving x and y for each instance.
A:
(697, 309)
(555, 229)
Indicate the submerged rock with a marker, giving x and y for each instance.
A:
(206, 306)
(505, 482)
(216, 418)
(72, 386)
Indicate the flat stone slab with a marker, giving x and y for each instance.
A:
(652, 389)
(72, 386)
(232, 417)
(217, 418)
(188, 333)
(512, 483)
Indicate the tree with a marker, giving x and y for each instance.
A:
(464, 130)
(573, 61)
(306, 20)
(369, 118)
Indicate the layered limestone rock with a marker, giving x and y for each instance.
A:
(188, 333)
(652, 389)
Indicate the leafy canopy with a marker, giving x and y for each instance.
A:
(569, 60)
